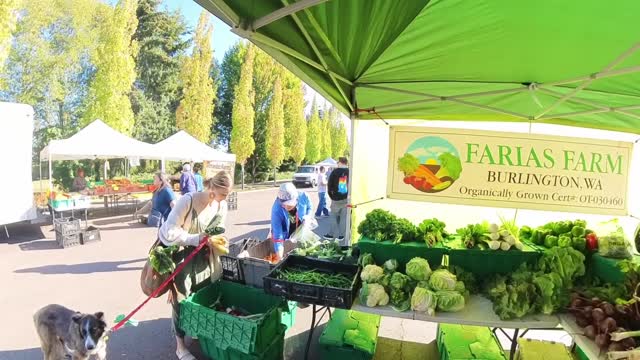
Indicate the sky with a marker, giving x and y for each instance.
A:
(223, 39)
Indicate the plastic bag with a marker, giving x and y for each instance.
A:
(612, 241)
(305, 233)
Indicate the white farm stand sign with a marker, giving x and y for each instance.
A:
(509, 170)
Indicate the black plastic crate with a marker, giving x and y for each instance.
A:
(314, 294)
(67, 226)
(255, 268)
(68, 240)
(232, 201)
(90, 234)
(231, 268)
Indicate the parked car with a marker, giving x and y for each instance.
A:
(306, 175)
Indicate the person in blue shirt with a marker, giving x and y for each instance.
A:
(187, 181)
(198, 177)
(288, 212)
(162, 201)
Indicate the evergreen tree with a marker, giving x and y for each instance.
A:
(314, 135)
(242, 144)
(275, 129)
(194, 112)
(115, 62)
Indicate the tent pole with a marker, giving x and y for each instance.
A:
(50, 175)
(347, 233)
(42, 193)
(283, 12)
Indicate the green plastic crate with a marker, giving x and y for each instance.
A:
(288, 318)
(529, 349)
(333, 343)
(457, 342)
(580, 354)
(274, 351)
(403, 252)
(249, 336)
(486, 262)
(607, 269)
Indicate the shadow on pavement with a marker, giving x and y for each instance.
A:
(88, 268)
(40, 245)
(21, 232)
(256, 223)
(22, 354)
(294, 346)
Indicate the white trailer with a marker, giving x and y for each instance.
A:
(16, 140)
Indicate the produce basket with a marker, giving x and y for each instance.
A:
(345, 326)
(255, 267)
(288, 317)
(310, 293)
(542, 350)
(251, 335)
(463, 342)
(486, 262)
(69, 240)
(274, 351)
(231, 268)
(66, 226)
(403, 252)
(90, 234)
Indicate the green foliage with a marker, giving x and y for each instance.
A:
(49, 62)
(314, 136)
(295, 124)
(8, 18)
(275, 127)
(243, 114)
(326, 124)
(194, 112)
(108, 98)
(157, 90)
(339, 141)
(228, 78)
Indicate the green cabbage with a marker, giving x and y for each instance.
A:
(442, 280)
(390, 265)
(423, 300)
(449, 300)
(418, 269)
(399, 280)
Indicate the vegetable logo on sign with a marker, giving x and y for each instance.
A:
(430, 164)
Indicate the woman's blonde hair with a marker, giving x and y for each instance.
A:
(164, 178)
(222, 180)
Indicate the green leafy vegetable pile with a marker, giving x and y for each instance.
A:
(432, 231)
(161, 259)
(558, 233)
(543, 288)
(327, 250)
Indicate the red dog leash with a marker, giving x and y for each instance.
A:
(162, 286)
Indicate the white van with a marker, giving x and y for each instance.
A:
(306, 175)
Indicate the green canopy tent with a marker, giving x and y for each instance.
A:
(564, 62)
(514, 63)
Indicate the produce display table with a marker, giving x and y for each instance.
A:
(588, 346)
(478, 311)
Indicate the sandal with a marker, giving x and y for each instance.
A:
(186, 355)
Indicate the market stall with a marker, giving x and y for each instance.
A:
(546, 117)
(96, 141)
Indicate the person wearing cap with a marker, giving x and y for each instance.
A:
(187, 181)
(288, 212)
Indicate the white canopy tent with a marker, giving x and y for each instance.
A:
(183, 147)
(327, 162)
(96, 141)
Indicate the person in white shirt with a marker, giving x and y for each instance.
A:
(322, 193)
(185, 227)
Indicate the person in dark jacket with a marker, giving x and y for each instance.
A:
(338, 190)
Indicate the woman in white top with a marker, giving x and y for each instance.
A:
(190, 217)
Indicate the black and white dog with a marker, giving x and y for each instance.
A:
(65, 333)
